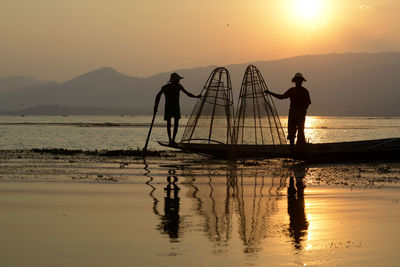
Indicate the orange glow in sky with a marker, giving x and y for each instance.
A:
(60, 39)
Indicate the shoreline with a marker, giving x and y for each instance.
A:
(130, 167)
(173, 153)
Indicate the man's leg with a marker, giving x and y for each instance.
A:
(291, 131)
(291, 140)
(301, 146)
(176, 125)
(301, 139)
(169, 129)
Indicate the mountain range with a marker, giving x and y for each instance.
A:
(13, 82)
(350, 84)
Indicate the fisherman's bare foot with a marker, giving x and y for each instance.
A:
(172, 143)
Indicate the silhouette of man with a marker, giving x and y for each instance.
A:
(170, 222)
(298, 223)
(172, 110)
(299, 102)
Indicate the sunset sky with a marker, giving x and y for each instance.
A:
(59, 39)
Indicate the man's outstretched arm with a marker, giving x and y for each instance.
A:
(279, 96)
(189, 94)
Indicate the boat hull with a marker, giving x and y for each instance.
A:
(381, 149)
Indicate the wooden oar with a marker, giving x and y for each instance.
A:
(148, 135)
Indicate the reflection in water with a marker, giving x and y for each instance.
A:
(170, 220)
(212, 205)
(151, 194)
(242, 193)
(298, 224)
(226, 198)
(256, 199)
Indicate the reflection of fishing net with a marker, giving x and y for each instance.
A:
(257, 121)
(208, 191)
(256, 195)
(211, 119)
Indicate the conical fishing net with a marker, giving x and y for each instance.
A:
(211, 120)
(257, 121)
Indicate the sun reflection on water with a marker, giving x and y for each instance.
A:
(244, 211)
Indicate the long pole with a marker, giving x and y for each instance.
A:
(148, 135)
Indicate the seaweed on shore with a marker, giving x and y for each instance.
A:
(61, 151)
(103, 153)
(130, 153)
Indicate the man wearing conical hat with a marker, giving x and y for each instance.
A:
(172, 110)
(299, 102)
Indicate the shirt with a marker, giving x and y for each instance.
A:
(299, 98)
(171, 92)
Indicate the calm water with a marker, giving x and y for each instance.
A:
(129, 132)
(215, 214)
(88, 211)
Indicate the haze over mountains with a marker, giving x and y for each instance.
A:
(353, 84)
(13, 82)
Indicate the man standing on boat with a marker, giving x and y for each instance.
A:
(299, 102)
(172, 110)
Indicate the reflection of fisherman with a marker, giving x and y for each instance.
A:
(299, 102)
(170, 221)
(172, 110)
(298, 224)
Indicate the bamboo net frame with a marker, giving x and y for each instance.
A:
(257, 121)
(211, 121)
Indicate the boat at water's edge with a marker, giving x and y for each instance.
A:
(380, 149)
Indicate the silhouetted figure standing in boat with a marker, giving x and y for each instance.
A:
(172, 110)
(299, 102)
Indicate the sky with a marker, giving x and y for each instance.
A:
(60, 39)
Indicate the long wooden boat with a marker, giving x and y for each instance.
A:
(381, 149)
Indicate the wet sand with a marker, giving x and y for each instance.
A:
(82, 210)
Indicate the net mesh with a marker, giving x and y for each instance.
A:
(257, 121)
(211, 120)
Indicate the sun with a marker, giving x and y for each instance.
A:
(308, 9)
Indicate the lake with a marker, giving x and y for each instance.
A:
(187, 210)
(130, 132)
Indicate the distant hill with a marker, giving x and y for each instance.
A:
(342, 84)
(356, 84)
(65, 110)
(103, 88)
(13, 82)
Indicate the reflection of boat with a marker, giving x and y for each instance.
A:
(356, 150)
